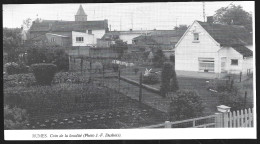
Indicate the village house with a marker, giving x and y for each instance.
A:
(214, 48)
(160, 39)
(80, 32)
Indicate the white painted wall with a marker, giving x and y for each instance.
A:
(230, 53)
(88, 39)
(247, 64)
(98, 34)
(187, 52)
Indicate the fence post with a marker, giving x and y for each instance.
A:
(140, 87)
(218, 120)
(240, 77)
(245, 99)
(119, 80)
(231, 85)
(167, 124)
(103, 74)
(225, 119)
(81, 64)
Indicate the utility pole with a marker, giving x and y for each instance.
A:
(132, 20)
(204, 14)
(120, 25)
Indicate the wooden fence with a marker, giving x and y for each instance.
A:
(235, 119)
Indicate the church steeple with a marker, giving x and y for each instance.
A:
(81, 15)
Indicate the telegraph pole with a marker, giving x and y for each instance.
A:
(204, 14)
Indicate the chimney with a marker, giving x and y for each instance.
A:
(131, 30)
(210, 19)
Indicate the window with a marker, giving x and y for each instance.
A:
(52, 39)
(234, 61)
(89, 31)
(206, 64)
(79, 39)
(196, 36)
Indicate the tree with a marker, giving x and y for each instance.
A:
(234, 15)
(27, 23)
(169, 79)
(181, 27)
(185, 104)
(120, 47)
(159, 58)
(12, 42)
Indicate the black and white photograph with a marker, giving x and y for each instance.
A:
(88, 68)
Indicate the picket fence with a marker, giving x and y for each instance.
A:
(235, 119)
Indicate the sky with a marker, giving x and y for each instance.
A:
(121, 16)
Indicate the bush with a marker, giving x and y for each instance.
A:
(54, 55)
(14, 68)
(25, 80)
(15, 118)
(136, 70)
(172, 58)
(185, 104)
(152, 78)
(115, 67)
(159, 58)
(44, 73)
(169, 79)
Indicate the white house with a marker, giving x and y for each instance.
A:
(214, 48)
(82, 39)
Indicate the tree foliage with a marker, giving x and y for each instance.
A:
(185, 104)
(181, 27)
(12, 42)
(234, 15)
(169, 79)
(158, 58)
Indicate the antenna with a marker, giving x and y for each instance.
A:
(204, 15)
(132, 20)
(120, 25)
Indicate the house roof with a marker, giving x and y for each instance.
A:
(161, 37)
(228, 35)
(243, 50)
(67, 26)
(81, 11)
(57, 35)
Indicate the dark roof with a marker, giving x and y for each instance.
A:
(243, 50)
(81, 11)
(161, 37)
(228, 35)
(65, 26)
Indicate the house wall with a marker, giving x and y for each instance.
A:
(88, 39)
(58, 39)
(230, 53)
(98, 34)
(247, 64)
(188, 52)
(103, 43)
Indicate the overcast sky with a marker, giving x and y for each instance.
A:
(120, 15)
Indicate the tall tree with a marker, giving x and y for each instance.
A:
(234, 15)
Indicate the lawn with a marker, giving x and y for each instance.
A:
(73, 103)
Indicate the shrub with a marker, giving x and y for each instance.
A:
(172, 58)
(152, 78)
(185, 104)
(159, 58)
(169, 80)
(25, 80)
(14, 68)
(44, 73)
(115, 67)
(54, 55)
(15, 118)
(136, 70)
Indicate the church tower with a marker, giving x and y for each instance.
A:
(81, 15)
